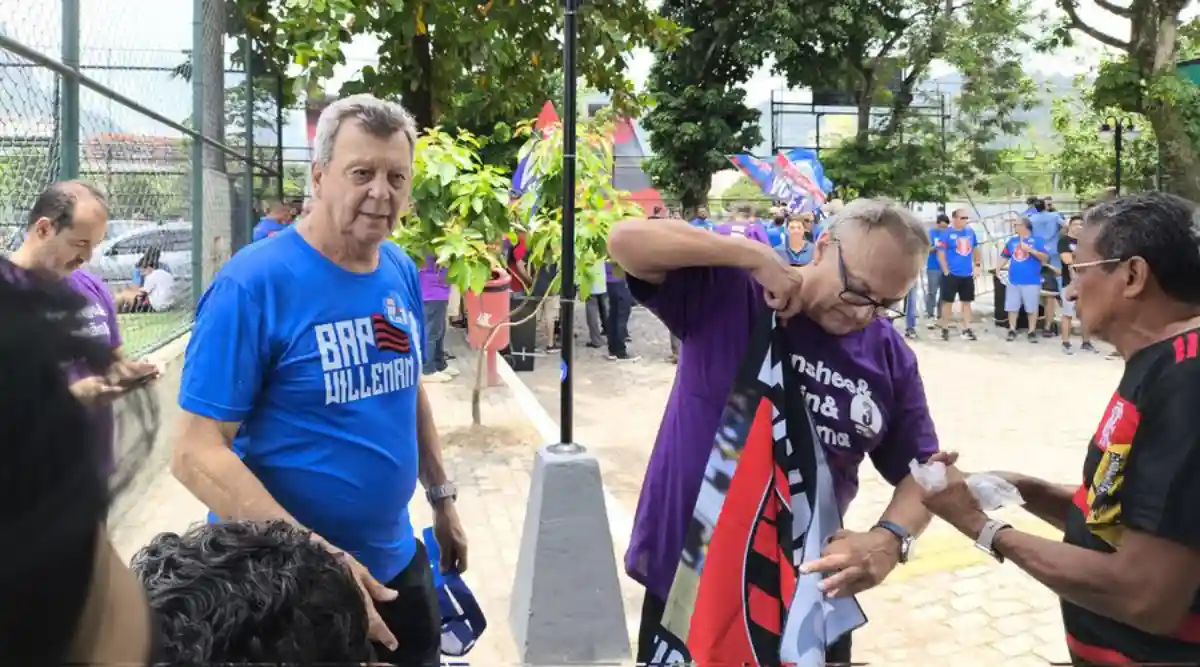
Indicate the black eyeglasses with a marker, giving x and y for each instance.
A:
(858, 299)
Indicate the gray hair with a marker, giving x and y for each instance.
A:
(57, 203)
(868, 215)
(379, 117)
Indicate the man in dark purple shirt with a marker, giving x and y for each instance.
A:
(65, 224)
(860, 378)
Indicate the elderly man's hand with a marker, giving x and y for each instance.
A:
(954, 504)
(854, 562)
(781, 285)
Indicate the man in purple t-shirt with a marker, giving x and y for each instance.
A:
(65, 224)
(435, 293)
(859, 376)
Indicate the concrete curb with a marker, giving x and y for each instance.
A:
(145, 423)
(566, 606)
(620, 522)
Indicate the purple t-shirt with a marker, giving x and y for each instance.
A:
(750, 230)
(863, 390)
(433, 281)
(100, 323)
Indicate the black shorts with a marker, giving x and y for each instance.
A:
(960, 288)
(1049, 280)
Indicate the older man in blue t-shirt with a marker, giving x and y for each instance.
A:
(301, 388)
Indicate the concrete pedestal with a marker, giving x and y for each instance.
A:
(566, 602)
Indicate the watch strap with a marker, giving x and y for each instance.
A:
(987, 537)
(441, 492)
(901, 534)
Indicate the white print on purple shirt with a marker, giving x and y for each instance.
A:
(863, 413)
(96, 322)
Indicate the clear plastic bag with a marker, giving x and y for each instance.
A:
(990, 491)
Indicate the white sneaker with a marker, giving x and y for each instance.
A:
(437, 377)
(451, 371)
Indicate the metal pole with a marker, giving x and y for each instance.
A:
(942, 118)
(69, 164)
(248, 120)
(1118, 141)
(279, 135)
(197, 203)
(567, 270)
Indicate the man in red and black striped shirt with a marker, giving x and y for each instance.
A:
(1128, 568)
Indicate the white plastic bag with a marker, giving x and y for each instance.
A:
(990, 491)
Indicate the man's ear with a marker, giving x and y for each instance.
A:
(43, 228)
(318, 175)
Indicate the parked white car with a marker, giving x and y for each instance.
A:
(114, 260)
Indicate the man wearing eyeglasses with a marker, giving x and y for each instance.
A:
(958, 255)
(854, 365)
(1128, 567)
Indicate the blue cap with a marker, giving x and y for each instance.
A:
(463, 622)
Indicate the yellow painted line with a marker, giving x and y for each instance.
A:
(949, 552)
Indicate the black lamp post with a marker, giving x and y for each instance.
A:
(567, 270)
(1118, 129)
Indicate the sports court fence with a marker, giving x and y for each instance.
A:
(140, 99)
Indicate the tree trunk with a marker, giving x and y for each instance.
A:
(1155, 46)
(421, 101)
(689, 200)
(1180, 163)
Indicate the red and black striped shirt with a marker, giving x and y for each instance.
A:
(1142, 473)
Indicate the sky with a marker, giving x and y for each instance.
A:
(155, 33)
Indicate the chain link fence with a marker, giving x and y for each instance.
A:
(138, 100)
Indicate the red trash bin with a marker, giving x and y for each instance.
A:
(487, 309)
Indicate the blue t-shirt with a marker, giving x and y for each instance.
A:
(796, 258)
(321, 367)
(1046, 227)
(703, 223)
(959, 246)
(932, 263)
(1023, 268)
(267, 227)
(775, 234)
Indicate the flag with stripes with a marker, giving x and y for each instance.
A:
(766, 505)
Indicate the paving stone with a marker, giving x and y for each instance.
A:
(968, 621)
(1016, 645)
(967, 602)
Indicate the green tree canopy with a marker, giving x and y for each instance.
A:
(1144, 79)
(459, 63)
(699, 115)
(881, 53)
(1085, 160)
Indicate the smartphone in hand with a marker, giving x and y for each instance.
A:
(132, 382)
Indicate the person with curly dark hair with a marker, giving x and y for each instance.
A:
(252, 592)
(67, 596)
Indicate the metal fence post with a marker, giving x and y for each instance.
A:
(248, 220)
(279, 134)
(69, 157)
(197, 203)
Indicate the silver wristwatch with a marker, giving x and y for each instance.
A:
(988, 535)
(436, 494)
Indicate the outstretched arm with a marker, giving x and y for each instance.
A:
(649, 249)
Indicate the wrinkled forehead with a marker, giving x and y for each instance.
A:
(354, 144)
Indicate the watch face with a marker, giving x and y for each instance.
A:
(906, 549)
